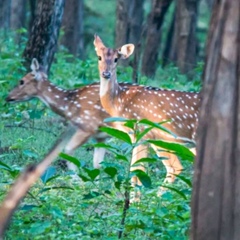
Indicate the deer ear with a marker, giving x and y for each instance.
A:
(34, 65)
(35, 69)
(98, 42)
(126, 50)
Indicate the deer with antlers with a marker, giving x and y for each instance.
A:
(139, 102)
(81, 107)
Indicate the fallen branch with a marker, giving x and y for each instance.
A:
(28, 178)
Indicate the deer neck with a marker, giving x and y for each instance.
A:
(54, 97)
(109, 94)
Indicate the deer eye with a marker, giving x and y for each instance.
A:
(99, 58)
(115, 60)
(21, 82)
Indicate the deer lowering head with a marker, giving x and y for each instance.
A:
(140, 102)
(81, 107)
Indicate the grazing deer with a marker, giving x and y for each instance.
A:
(139, 102)
(81, 107)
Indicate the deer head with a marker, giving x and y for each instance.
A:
(28, 85)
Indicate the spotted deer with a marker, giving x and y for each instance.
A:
(142, 102)
(81, 107)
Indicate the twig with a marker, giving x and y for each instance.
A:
(125, 209)
(34, 128)
(28, 178)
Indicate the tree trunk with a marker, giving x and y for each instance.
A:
(136, 16)
(5, 10)
(18, 11)
(170, 51)
(185, 27)
(42, 42)
(216, 192)
(150, 55)
(122, 24)
(32, 9)
(73, 28)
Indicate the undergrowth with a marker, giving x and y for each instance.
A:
(56, 207)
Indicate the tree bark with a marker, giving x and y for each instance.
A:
(42, 42)
(18, 10)
(216, 191)
(136, 16)
(150, 55)
(5, 10)
(73, 27)
(122, 27)
(170, 51)
(185, 27)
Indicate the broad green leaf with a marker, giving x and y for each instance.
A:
(145, 160)
(70, 159)
(92, 173)
(111, 171)
(143, 177)
(106, 146)
(121, 157)
(50, 171)
(130, 123)
(176, 148)
(117, 134)
(157, 125)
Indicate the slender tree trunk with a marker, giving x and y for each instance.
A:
(18, 11)
(136, 16)
(185, 27)
(73, 27)
(5, 10)
(42, 42)
(150, 55)
(216, 192)
(122, 24)
(32, 7)
(170, 51)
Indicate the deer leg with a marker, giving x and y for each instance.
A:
(172, 164)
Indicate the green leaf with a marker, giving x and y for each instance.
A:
(176, 148)
(130, 123)
(157, 125)
(115, 119)
(143, 133)
(30, 154)
(145, 160)
(111, 171)
(187, 181)
(50, 171)
(5, 166)
(92, 173)
(175, 190)
(117, 134)
(70, 159)
(143, 177)
(106, 146)
(91, 195)
(84, 178)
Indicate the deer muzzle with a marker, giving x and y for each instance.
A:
(106, 74)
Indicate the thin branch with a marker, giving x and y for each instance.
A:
(28, 178)
(33, 128)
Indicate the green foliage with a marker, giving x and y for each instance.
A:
(59, 207)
